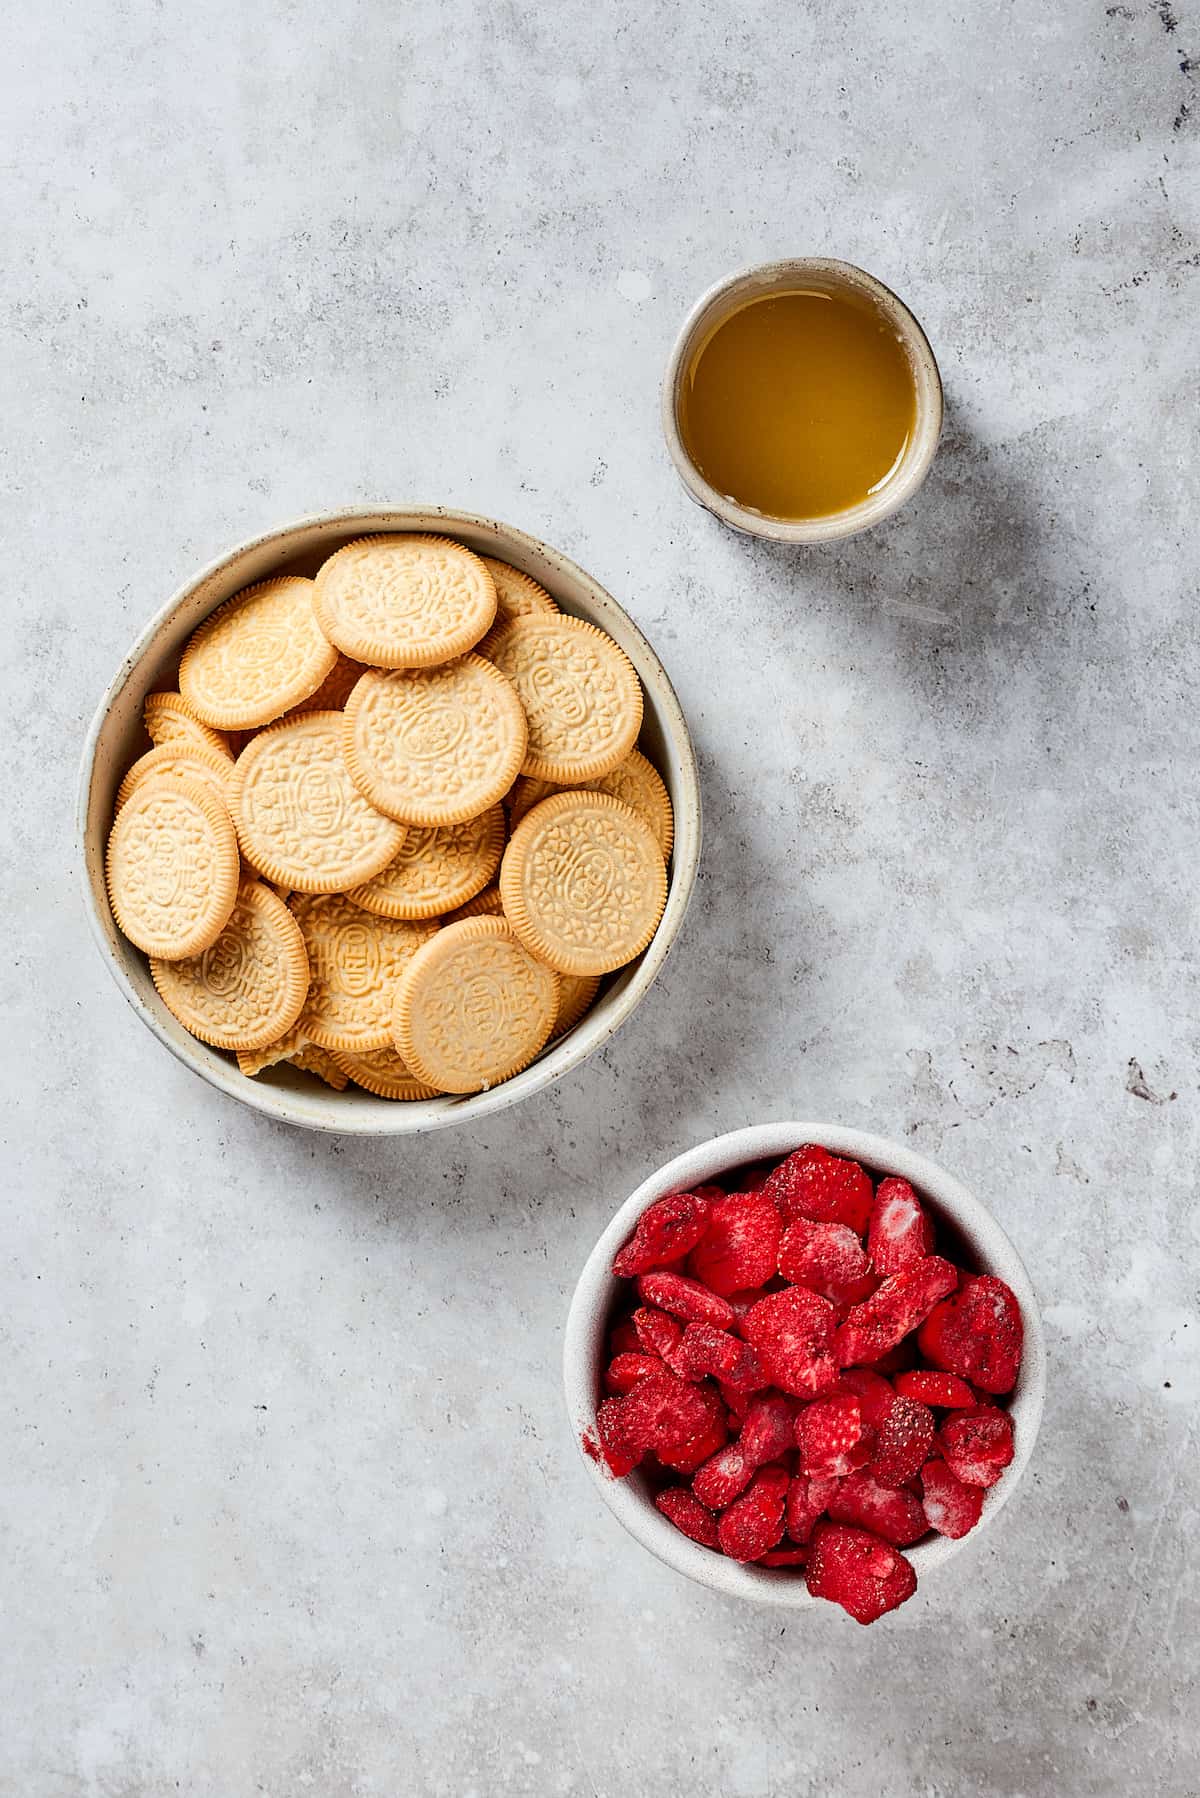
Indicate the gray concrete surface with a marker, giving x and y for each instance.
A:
(286, 1496)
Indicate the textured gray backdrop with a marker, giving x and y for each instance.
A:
(286, 1496)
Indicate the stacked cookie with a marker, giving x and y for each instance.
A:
(393, 827)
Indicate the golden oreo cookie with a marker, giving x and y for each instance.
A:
(583, 883)
(170, 719)
(639, 785)
(172, 867)
(258, 655)
(246, 989)
(580, 692)
(188, 760)
(576, 992)
(301, 821)
(436, 869)
(517, 596)
(434, 745)
(355, 961)
(473, 1007)
(334, 690)
(405, 600)
(382, 1072)
(524, 794)
(483, 905)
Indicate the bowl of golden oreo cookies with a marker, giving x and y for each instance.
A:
(389, 819)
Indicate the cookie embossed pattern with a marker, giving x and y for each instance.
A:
(381, 768)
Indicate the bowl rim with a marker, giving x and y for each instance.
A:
(317, 1110)
(596, 1288)
(762, 278)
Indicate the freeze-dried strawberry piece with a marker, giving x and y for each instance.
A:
(739, 1402)
(951, 1507)
(769, 1429)
(722, 1477)
(904, 1355)
(624, 1371)
(858, 1570)
(666, 1232)
(827, 1258)
(753, 1523)
(898, 1306)
(620, 1452)
(685, 1298)
(875, 1395)
(945, 1390)
(827, 1188)
(783, 1557)
(664, 1412)
(624, 1339)
(687, 1514)
(698, 1449)
(978, 1333)
(702, 1350)
(741, 1302)
(809, 1497)
(748, 1376)
(893, 1513)
(657, 1333)
(831, 1437)
(905, 1439)
(978, 1444)
(900, 1230)
(740, 1246)
(792, 1334)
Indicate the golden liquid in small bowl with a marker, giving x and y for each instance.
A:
(798, 405)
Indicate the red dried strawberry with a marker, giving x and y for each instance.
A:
(685, 1298)
(740, 1302)
(977, 1333)
(783, 1557)
(875, 1395)
(792, 1334)
(978, 1444)
(813, 1183)
(739, 1402)
(904, 1355)
(702, 1350)
(831, 1437)
(900, 1229)
(705, 1441)
(740, 1246)
(689, 1515)
(945, 1390)
(753, 1523)
(664, 1412)
(624, 1339)
(624, 1371)
(905, 1439)
(748, 1375)
(620, 1453)
(657, 1334)
(666, 1232)
(809, 1497)
(722, 1477)
(859, 1571)
(895, 1514)
(769, 1430)
(897, 1307)
(827, 1258)
(951, 1507)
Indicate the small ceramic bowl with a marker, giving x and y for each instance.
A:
(966, 1232)
(785, 277)
(117, 737)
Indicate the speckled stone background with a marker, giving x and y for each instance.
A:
(287, 1499)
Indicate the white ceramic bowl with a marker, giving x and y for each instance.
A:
(117, 737)
(713, 307)
(968, 1233)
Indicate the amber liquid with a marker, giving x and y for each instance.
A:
(799, 404)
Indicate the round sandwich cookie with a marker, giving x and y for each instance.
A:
(189, 760)
(355, 961)
(384, 1073)
(172, 867)
(258, 655)
(434, 746)
(576, 992)
(436, 869)
(473, 1007)
(638, 784)
(405, 600)
(170, 719)
(583, 882)
(517, 596)
(581, 695)
(484, 905)
(301, 821)
(247, 988)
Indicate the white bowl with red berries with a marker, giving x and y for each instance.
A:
(803, 1363)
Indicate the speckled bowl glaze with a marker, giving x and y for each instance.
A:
(968, 1232)
(117, 736)
(785, 277)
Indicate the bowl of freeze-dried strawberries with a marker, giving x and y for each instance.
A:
(803, 1363)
